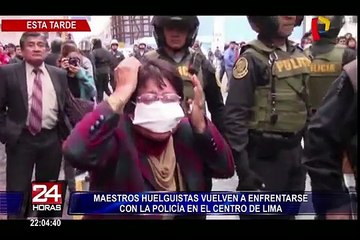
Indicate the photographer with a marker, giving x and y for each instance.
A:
(81, 83)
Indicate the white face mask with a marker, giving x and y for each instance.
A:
(158, 117)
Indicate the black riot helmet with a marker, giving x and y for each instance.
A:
(183, 22)
(268, 25)
(336, 23)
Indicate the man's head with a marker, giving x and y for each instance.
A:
(96, 43)
(18, 50)
(306, 40)
(56, 45)
(197, 44)
(275, 26)
(142, 47)
(232, 45)
(114, 44)
(33, 47)
(175, 32)
(342, 40)
(11, 48)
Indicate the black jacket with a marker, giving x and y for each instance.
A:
(14, 100)
(331, 131)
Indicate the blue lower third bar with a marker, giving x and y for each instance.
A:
(10, 202)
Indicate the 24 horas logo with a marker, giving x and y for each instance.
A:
(47, 196)
(314, 26)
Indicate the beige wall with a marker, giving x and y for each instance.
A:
(14, 37)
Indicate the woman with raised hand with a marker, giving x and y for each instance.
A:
(139, 139)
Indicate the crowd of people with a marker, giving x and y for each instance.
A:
(152, 133)
(347, 40)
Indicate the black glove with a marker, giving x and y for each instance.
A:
(250, 182)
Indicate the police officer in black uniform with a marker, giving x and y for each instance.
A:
(103, 64)
(184, 57)
(331, 130)
(118, 56)
(266, 109)
(174, 36)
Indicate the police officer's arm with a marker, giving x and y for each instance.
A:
(213, 96)
(329, 130)
(237, 112)
(348, 56)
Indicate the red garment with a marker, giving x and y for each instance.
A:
(4, 59)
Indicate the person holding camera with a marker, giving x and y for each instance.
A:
(81, 83)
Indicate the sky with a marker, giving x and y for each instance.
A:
(97, 23)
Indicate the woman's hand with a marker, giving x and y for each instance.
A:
(125, 74)
(64, 63)
(74, 69)
(197, 106)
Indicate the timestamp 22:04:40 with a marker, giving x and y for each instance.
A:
(43, 222)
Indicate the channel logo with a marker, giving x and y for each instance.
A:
(314, 27)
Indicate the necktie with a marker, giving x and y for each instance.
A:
(35, 118)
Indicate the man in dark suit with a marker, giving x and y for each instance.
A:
(33, 97)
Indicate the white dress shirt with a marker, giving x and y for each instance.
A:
(50, 107)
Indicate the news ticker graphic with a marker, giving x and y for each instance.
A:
(94, 203)
(10, 202)
(49, 196)
(45, 25)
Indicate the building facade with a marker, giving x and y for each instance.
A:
(127, 29)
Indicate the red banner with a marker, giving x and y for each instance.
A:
(44, 25)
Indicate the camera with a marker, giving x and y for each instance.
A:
(74, 61)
